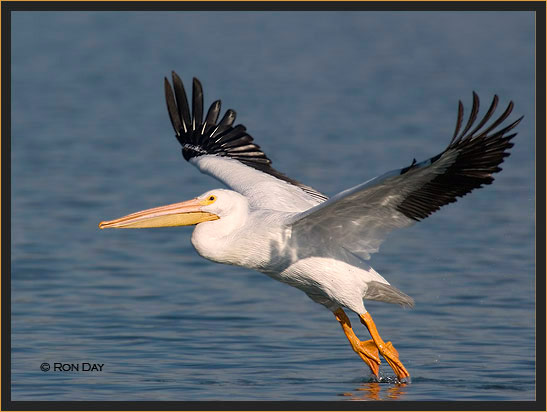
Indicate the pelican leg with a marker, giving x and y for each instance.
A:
(367, 350)
(386, 349)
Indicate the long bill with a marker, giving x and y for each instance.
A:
(178, 214)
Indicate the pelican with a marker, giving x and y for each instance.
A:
(297, 235)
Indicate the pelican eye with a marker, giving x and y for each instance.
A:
(209, 199)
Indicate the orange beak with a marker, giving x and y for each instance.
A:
(178, 214)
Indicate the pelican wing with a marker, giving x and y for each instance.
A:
(359, 219)
(228, 153)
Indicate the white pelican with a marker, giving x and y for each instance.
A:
(295, 234)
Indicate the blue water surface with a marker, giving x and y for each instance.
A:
(333, 98)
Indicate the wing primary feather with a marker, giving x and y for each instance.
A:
(473, 115)
(458, 121)
(246, 154)
(247, 150)
(237, 142)
(197, 104)
(182, 102)
(511, 126)
(172, 108)
(226, 122)
(504, 116)
(487, 116)
(259, 161)
(230, 135)
(212, 117)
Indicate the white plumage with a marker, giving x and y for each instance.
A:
(295, 234)
(263, 240)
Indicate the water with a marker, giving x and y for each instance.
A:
(334, 99)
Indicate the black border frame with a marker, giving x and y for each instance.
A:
(329, 5)
(539, 7)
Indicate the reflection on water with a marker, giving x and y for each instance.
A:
(376, 391)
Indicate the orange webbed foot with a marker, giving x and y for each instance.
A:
(392, 357)
(386, 349)
(368, 351)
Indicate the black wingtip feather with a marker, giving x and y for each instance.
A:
(212, 115)
(182, 102)
(172, 107)
(197, 104)
(473, 115)
(478, 155)
(459, 120)
(488, 114)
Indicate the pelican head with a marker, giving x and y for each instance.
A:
(216, 214)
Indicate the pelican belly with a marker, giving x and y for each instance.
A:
(330, 282)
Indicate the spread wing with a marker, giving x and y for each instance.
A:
(360, 218)
(228, 152)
